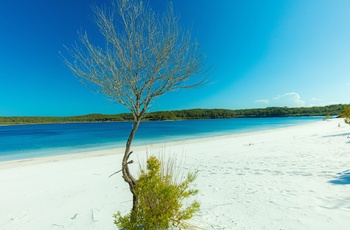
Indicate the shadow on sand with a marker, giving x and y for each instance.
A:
(342, 178)
(339, 135)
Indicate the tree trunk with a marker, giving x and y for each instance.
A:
(125, 168)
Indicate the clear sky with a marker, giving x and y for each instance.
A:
(263, 52)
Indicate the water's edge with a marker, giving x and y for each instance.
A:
(30, 141)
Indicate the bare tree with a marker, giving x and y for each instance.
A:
(145, 56)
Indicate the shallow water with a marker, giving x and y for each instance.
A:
(26, 141)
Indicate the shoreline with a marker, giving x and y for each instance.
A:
(55, 139)
(287, 178)
(76, 154)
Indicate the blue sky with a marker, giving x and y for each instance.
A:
(263, 53)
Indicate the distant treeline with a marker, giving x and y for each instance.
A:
(331, 110)
(84, 118)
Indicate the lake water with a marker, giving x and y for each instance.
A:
(27, 141)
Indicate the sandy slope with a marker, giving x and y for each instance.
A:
(292, 178)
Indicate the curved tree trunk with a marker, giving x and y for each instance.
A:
(125, 168)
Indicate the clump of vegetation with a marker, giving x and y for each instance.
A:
(328, 116)
(159, 199)
(346, 114)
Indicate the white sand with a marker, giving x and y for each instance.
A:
(278, 179)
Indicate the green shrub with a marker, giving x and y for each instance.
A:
(328, 116)
(159, 200)
(346, 114)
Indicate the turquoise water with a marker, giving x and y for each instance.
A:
(27, 141)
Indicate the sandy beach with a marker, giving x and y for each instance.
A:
(290, 178)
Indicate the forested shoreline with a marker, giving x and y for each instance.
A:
(330, 110)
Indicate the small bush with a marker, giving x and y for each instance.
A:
(328, 116)
(346, 114)
(159, 200)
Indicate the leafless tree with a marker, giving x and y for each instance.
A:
(145, 56)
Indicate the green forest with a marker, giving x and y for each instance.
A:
(330, 110)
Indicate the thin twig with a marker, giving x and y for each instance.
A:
(75, 216)
(130, 162)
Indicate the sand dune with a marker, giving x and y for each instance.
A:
(291, 178)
